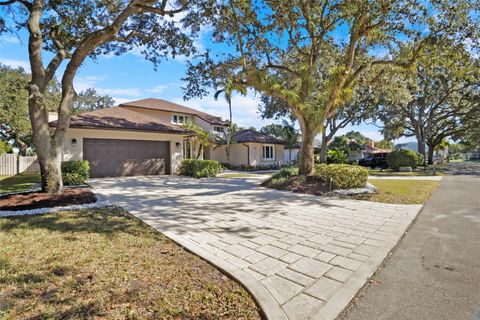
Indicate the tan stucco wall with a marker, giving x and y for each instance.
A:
(238, 154)
(76, 152)
(166, 116)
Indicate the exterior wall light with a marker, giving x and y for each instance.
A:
(74, 142)
(178, 144)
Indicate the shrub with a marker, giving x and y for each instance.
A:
(75, 172)
(420, 159)
(336, 156)
(200, 168)
(245, 167)
(343, 176)
(287, 172)
(402, 158)
(281, 178)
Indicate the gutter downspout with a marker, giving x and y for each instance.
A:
(248, 153)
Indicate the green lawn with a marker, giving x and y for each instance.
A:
(20, 182)
(419, 172)
(106, 264)
(401, 191)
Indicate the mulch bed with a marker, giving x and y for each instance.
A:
(309, 185)
(35, 200)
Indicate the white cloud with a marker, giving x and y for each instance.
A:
(158, 89)
(129, 92)
(121, 100)
(14, 63)
(83, 83)
(244, 109)
(5, 39)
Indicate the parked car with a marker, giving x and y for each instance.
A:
(375, 160)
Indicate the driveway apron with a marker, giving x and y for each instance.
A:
(300, 256)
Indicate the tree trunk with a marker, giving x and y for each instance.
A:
(22, 147)
(290, 156)
(431, 149)
(307, 150)
(49, 157)
(421, 147)
(200, 151)
(323, 148)
(229, 133)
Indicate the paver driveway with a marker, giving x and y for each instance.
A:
(301, 256)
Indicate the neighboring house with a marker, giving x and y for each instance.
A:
(413, 146)
(146, 137)
(251, 148)
(363, 152)
(291, 154)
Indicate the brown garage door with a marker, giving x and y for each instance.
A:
(118, 157)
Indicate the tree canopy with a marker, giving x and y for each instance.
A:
(91, 100)
(438, 99)
(72, 31)
(311, 54)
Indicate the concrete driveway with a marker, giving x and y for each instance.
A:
(301, 256)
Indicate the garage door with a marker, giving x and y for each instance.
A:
(118, 157)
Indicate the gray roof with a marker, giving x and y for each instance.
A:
(249, 135)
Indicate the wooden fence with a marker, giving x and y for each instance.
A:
(12, 164)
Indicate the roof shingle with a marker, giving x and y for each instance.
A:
(122, 118)
(249, 135)
(163, 105)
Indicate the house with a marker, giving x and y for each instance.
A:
(412, 145)
(146, 137)
(135, 138)
(251, 148)
(291, 154)
(363, 152)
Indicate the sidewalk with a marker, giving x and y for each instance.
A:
(435, 271)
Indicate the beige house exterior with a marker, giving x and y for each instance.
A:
(147, 136)
(251, 148)
(73, 148)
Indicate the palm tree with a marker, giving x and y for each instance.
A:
(227, 87)
(290, 137)
(204, 137)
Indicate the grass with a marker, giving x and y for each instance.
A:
(401, 191)
(19, 182)
(419, 172)
(104, 263)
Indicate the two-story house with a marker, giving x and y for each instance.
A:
(146, 137)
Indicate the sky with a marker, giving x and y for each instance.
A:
(130, 77)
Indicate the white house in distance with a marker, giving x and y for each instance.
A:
(146, 137)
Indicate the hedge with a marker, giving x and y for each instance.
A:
(75, 172)
(402, 158)
(200, 168)
(344, 176)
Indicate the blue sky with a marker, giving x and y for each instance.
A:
(131, 77)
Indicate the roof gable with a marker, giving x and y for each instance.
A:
(122, 118)
(163, 105)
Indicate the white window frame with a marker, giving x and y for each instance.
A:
(272, 153)
(222, 129)
(177, 116)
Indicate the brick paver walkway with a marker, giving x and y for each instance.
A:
(301, 256)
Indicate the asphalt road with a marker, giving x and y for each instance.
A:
(434, 273)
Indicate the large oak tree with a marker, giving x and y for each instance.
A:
(73, 31)
(439, 98)
(280, 47)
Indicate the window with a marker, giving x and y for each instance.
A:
(218, 129)
(268, 152)
(179, 118)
